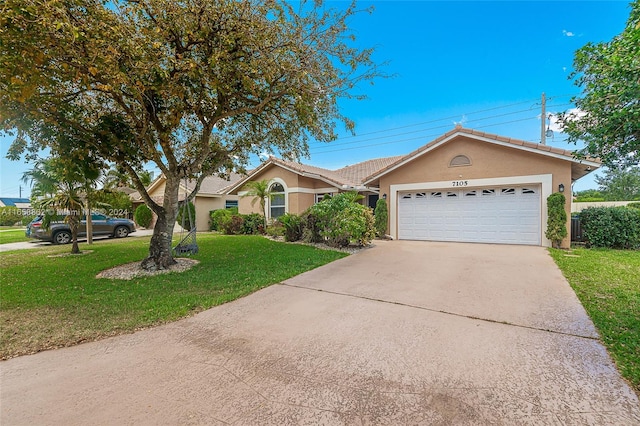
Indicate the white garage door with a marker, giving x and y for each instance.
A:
(508, 215)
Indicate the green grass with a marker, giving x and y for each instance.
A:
(607, 282)
(12, 236)
(50, 302)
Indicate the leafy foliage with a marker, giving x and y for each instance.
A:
(556, 219)
(612, 227)
(194, 87)
(234, 225)
(143, 216)
(342, 221)
(259, 190)
(381, 216)
(607, 118)
(218, 217)
(9, 216)
(292, 226)
(589, 195)
(252, 224)
(620, 184)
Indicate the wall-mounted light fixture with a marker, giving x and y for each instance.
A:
(384, 196)
(561, 188)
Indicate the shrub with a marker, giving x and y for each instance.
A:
(310, 228)
(188, 216)
(634, 205)
(27, 219)
(9, 216)
(556, 219)
(143, 216)
(233, 226)
(252, 224)
(342, 221)
(275, 230)
(218, 217)
(381, 217)
(613, 227)
(292, 224)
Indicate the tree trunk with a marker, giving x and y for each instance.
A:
(73, 226)
(89, 222)
(160, 253)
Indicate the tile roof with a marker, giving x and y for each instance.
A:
(215, 185)
(475, 133)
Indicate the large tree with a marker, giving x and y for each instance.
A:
(193, 86)
(620, 184)
(607, 118)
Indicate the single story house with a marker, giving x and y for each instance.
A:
(211, 196)
(18, 203)
(466, 186)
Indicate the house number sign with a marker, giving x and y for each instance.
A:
(460, 183)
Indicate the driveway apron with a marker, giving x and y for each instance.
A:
(401, 333)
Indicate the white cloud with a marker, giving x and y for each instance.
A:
(263, 155)
(462, 121)
(556, 125)
(567, 33)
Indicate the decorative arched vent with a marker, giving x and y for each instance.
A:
(460, 160)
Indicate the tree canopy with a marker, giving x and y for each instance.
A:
(192, 86)
(620, 185)
(607, 118)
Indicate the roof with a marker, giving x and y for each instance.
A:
(346, 177)
(211, 186)
(580, 167)
(11, 202)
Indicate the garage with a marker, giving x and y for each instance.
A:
(499, 214)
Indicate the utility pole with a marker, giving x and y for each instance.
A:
(20, 189)
(543, 131)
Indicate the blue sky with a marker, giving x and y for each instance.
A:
(483, 64)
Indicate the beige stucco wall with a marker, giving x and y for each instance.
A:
(299, 190)
(488, 160)
(205, 204)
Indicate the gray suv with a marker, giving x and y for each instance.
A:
(60, 233)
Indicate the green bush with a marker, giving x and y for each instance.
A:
(218, 217)
(634, 205)
(9, 216)
(343, 221)
(188, 216)
(275, 230)
(612, 227)
(292, 224)
(310, 228)
(252, 224)
(381, 216)
(27, 219)
(556, 219)
(233, 226)
(143, 216)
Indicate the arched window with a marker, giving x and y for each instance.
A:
(460, 160)
(277, 202)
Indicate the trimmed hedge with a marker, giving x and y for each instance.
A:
(143, 216)
(381, 216)
(612, 227)
(343, 221)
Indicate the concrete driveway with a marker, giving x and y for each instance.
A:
(402, 333)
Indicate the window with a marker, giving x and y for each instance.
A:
(528, 191)
(451, 194)
(470, 194)
(460, 160)
(320, 197)
(229, 204)
(276, 206)
(421, 195)
(436, 194)
(405, 196)
(488, 192)
(508, 191)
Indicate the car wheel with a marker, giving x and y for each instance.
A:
(121, 232)
(62, 237)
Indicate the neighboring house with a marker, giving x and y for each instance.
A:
(19, 203)
(465, 186)
(212, 196)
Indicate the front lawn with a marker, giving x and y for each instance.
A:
(607, 282)
(12, 236)
(50, 302)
